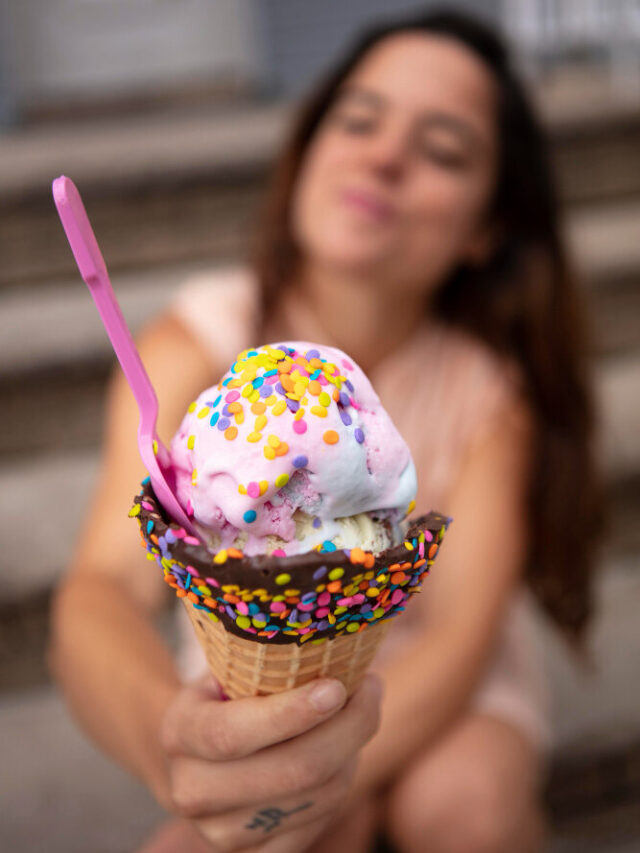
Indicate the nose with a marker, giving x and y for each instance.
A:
(387, 153)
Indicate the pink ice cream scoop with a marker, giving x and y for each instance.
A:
(292, 450)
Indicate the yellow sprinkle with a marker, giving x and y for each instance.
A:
(269, 452)
(155, 447)
(194, 476)
(191, 441)
(215, 618)
(282, 579)
(279, 407)
(282, 480)
(261, 422)
(204, 411)
(274, 441)
(324, 399)
(270, 400)
(254, 395)
(299, 414)
(192, 407)
(247, 390)
(254, 436)
(372, 591)
(320, 411)
(408, 546)
(220, 557)
(264, 485)
(242, 489)
(299, 388)
(239, 417)
(135, 510)
(305, 400)
(411, 506)
(352, 626)
(334, 574)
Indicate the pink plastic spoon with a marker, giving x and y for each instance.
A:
(94, 272)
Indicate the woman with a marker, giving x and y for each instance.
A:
(412, 223)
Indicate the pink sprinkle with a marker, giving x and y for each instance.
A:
(397, 596)
(306, 607)
(180, 533)
(344, 602)
(271, 380)
(321, 612)
(243, 607)
(278, 552)
(277, 606)
(421, 549)
(303, 630)
(428, 535)
(147, 505)
(358, 598)
(322, 379)
(193, 571)
(300, 426)
(324, 598)
(251, 630)
(189, 507)
(302, 371)
(354, 404)
(191, 540)
(232, 396)
(347, 364)
(212, 582)
(253, 489)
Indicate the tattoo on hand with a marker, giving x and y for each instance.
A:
(270, 818)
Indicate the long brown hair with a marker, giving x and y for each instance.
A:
(523, 303)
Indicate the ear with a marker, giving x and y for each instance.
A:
(483, 244)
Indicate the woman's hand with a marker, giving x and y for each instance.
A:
(267, 772)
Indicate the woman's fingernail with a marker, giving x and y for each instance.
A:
(327, 695)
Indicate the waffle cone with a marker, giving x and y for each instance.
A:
(247, 668)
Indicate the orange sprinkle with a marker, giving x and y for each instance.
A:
(330, 436)
(235, 407)
(363, 585)
(315, 362)
(369, 560)
(314, 387)
(181, 593)
(398, 577)
(192, 597)
(336, 395)
(232, 599)
(282, 449)
(394, 567)
(334, 586)
(168, 578)
(154, 538)
(230, 433)
(284, 366)
(419, 563)
(210, 602)
(258, 408)
(433, 550)
(234, 552)
(385, 594)
(357, 555)
(405, 566)
(287, 382)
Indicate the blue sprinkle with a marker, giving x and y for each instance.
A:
(253, 608)
(316, 373)
(327, 545)
(250, 515)
(214, 419)
(223, 423)
(219, 397)
(226, 381)
(359, 435)
(345, 417)
(188, 582)
(258, 381)
(300, 461)
(265, 390)
(317, 522)
(271, 372)
(252, 352)
(200, 607)
(293, 405)
(145, 481)
(149, 526)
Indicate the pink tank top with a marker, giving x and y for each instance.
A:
(464, 388)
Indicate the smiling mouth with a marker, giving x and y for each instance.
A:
(374, 208)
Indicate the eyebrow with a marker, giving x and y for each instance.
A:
(437, 118)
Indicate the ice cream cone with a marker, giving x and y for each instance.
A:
(246, 668)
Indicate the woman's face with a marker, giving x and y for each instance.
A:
(396, 180)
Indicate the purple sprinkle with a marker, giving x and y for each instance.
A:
(309, 596)
(344, 398)
(359, 435)
(312, 353)
(349, 385)
(169, 536)
(223, 423)
(366, 608)
(231, 612)
(265, 390)
(319, 573)
(323, 624)
(293, 405)
(317, 522)
(300, 461)
(225, 410)
(345, 417)
(293, 616)
(280, 389)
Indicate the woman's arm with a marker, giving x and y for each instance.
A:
(113, 667)
(463, 599)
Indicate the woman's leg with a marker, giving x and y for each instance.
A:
(476, 791)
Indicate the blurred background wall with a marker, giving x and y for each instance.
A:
(167, 114)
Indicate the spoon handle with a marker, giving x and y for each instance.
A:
(94, 272)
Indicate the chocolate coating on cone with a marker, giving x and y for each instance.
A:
(300, 598)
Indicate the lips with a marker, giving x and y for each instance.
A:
(369, 204)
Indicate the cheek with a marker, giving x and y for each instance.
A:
(312, 192)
